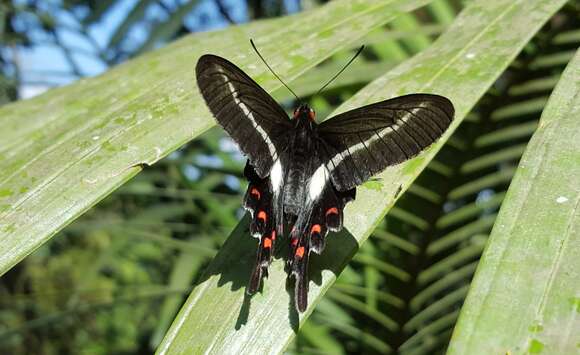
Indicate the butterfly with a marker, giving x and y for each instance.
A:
(302, 173)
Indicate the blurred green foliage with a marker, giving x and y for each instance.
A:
(113, 281)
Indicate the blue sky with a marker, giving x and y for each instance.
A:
(44, 65)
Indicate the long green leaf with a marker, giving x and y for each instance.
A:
(525, 297)
(166, 29)
(136, 14)
(64, 151)
(461, 65)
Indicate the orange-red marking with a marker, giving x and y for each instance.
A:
(254, 192)
(262, 216)
(332, 210)
(294, 241)
(300, 252)
(267, 243)
(312, 115)
(295, 115)
(315, 229)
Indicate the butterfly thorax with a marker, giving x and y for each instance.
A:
(304, 113)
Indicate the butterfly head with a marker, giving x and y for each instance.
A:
(304, 112)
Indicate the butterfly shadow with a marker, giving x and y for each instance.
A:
(235, 261)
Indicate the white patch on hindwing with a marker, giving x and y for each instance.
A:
(317, 182)
(252, 213)
(276, 176)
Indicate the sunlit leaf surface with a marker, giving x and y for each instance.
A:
(525, 296)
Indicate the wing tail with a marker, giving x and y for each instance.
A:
(263, 259)
(309, 235)
(259, 200)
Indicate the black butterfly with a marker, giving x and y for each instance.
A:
(302, 173)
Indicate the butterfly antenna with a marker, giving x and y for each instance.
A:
(273, 72)
(341, 70)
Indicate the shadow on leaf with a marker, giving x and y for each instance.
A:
(235, 261)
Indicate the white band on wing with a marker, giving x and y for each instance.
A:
(250, 116)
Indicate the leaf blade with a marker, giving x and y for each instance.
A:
(525, 292)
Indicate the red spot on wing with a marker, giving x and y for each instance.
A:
(312, 115)
(332, 210)
(315, 229)
(267, 243)
(299, 252)
(255, 192)
(294, 241)
(262, 216)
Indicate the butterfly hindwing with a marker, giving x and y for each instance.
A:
(360, 143)
(259, 201)
(322, 213)
(247, 113)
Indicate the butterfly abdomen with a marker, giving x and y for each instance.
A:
(300, 153)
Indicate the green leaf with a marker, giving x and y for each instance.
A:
(183, 271)
(62, 152)
(461, 65)
(442, 11)
(168, 28)
(136, 14)
(408, 22)
(526, 295)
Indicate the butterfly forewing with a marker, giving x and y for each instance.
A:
(250, 116)
(360, 143)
